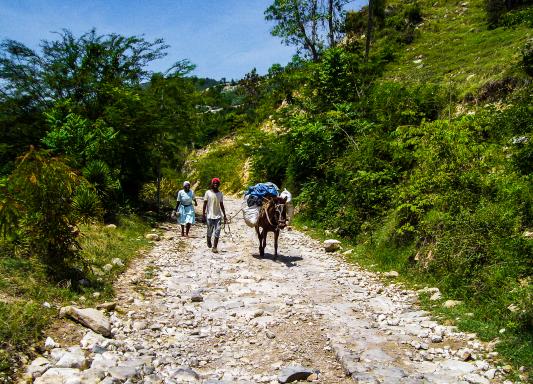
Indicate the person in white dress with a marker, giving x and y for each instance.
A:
(185, 198)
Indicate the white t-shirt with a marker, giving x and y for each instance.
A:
(213, 204)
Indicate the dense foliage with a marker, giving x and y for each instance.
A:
(422, 180)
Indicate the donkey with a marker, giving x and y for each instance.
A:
(272, 218)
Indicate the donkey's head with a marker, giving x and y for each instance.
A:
(277, 210)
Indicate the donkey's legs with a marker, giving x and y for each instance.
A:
(260, 237)
(276, 236)
(265, 235)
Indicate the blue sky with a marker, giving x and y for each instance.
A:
(224, 38)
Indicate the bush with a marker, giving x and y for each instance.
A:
(313, 145)
(168, 191)
(38, 200)
(412, 13)
(269, 156)
(523, 16)
(394, 104)
(497, 12)
(338, 77)
(105, 184)
(98, 173)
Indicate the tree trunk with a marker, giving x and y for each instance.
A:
(331, 24)
(308, 43)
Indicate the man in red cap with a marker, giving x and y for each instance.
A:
(214, 205)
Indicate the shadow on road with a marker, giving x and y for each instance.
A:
(289, 261)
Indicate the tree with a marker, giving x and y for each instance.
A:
(171, 104)
(84, 97)
(75, 68)
(36, 207)
(251, 86)
(86, 70)
(310, 25)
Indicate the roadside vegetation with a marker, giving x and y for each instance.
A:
(30, 302)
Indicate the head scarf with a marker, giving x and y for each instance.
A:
(186, 183)
(215, 180)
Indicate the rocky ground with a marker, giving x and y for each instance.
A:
(186, 314)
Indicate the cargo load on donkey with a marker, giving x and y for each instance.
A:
(253, 199)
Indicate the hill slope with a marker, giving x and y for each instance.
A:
(454, 47)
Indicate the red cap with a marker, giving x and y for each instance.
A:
(215, 180)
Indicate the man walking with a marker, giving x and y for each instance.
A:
(214, 205)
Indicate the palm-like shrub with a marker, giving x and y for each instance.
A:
(98, 173)
(105, 183)
(87, 205)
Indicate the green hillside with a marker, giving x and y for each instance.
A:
(454, 47)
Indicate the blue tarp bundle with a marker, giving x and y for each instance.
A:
(257, 192)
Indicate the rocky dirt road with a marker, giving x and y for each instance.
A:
(190, 315)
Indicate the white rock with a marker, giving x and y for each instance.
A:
(391, 274)
(331, 245)
(38, 367)
(464, 354)
(460, 367)
(490, 374)
(513, 308)
(60, 375)
(56, 354)
(482, 364)
(111, 226)
(92, 376)
(435, 296)
(118, 262)
(91, 339)
(74, 358)
(152, 236)
(104, 361)
(476, 379)
(393, 322)
(451, 303)
(88, 317)
(436, 338)
(49, 343)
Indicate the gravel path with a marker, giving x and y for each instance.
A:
(189, 315)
